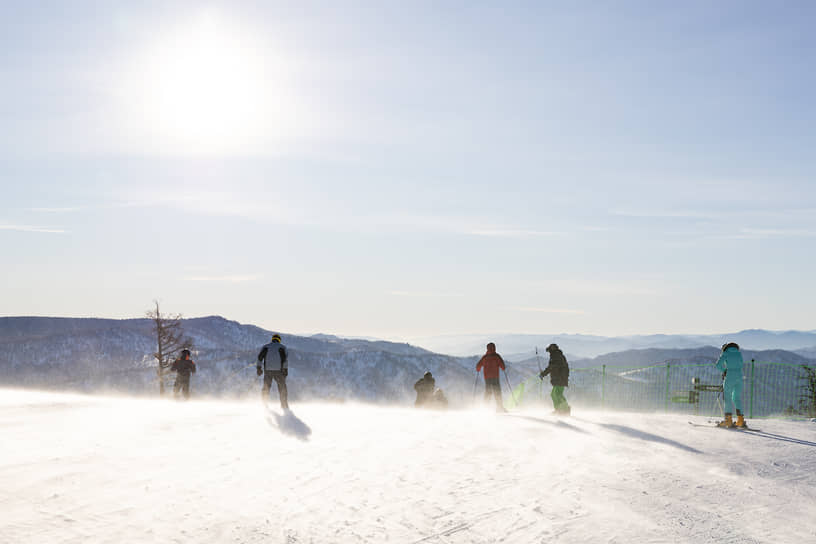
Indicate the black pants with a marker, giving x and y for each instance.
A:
(280, 379)
(182, 384)
(493, 387)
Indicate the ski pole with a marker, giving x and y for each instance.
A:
(512, 394)
(541, 380)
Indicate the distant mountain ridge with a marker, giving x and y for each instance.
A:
(521, 346)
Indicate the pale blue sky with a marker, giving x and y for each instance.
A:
(412, 168)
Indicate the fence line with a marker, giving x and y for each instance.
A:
(769, 388)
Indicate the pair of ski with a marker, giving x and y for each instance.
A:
(743, 429)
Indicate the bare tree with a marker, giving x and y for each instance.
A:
(170, 340)
(807, 401)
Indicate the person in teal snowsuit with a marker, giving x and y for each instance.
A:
(730, 364)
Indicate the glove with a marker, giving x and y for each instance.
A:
(724, 373)
(258, 370)
(285, 371)
(541, 375)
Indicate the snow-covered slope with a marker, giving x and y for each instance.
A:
(79, 469)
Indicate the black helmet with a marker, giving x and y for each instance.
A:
(428, 375)
(185, 352)
(552, 347)
(276, 338)
(729, 345)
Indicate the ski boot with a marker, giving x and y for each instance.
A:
(740, 424)
(727, 422)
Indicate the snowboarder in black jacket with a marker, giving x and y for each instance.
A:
(183, 367)
(273, 364)
(558, 369)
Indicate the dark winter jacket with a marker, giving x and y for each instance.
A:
(558, 369)
(491, 362)
(274, 358)
(424, 389)
(184, 367)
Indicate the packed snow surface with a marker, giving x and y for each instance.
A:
(100, 469)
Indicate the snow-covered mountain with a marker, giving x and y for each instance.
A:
(115, 355)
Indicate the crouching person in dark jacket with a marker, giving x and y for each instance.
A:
(183, 367)
(272, 363)
(428, 395)
(558, 369)
(424, 388)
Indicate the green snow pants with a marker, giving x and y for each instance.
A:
(559, 401)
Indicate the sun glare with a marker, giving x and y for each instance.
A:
(206, 87)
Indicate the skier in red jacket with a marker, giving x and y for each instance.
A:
(491, 362)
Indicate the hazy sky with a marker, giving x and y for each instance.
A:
(399, 169)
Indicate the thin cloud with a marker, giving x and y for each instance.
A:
(237, 278)
(418, 294)
(452, 224)
(779, 233)
(765, 234)
(512, 233)
(53, 210)
(665, 214)
(30, 228)
(598, 288)
(550, 310)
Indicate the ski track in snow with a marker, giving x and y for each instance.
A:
(79, 469)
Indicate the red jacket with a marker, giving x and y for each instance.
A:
(184, 367)
(491, 362)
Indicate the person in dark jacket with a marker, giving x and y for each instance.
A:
(424, 388)
(273, 364)
(492, 362)
(558, 369)
(183, 367)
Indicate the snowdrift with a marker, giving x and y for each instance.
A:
(102, 469)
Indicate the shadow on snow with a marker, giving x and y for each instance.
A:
(288, 423)
(642, 435)
(782, 438)
(557, 423)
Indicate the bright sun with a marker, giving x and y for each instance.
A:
(205, 87)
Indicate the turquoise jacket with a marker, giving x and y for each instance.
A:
(731, 361)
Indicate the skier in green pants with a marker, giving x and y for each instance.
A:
(558, 369)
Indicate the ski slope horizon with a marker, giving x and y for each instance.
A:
(78, 468)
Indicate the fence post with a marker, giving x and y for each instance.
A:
(603, 388)
(668, 385)
(751, 406)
